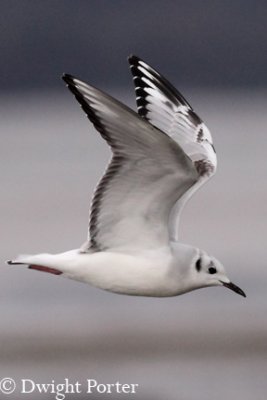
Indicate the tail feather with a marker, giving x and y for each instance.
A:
(10, 262)
(34, 262)
(23, 259)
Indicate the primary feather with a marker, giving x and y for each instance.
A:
(165, 108)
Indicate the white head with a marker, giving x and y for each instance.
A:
(203, 270)
(208, 271)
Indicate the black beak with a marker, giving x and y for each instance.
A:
(233, 287)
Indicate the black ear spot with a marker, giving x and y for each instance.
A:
(212, 270)
(198, 265)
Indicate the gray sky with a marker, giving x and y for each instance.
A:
(196, 43)
(208, 343)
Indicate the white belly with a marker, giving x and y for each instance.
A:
(123, 273)
(146, 274)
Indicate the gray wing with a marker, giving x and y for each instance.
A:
(148, 173)
(165, 107)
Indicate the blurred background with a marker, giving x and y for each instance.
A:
(206, 344)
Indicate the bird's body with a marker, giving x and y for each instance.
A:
(149, 273)
(161, 156)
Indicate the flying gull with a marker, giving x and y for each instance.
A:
(160, 157)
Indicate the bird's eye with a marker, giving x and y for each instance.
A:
(198, 265)
(212, 270)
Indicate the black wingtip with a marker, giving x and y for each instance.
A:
(9, 262)
(68, 78)
(132, 59)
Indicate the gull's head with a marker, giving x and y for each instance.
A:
(208, 271)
